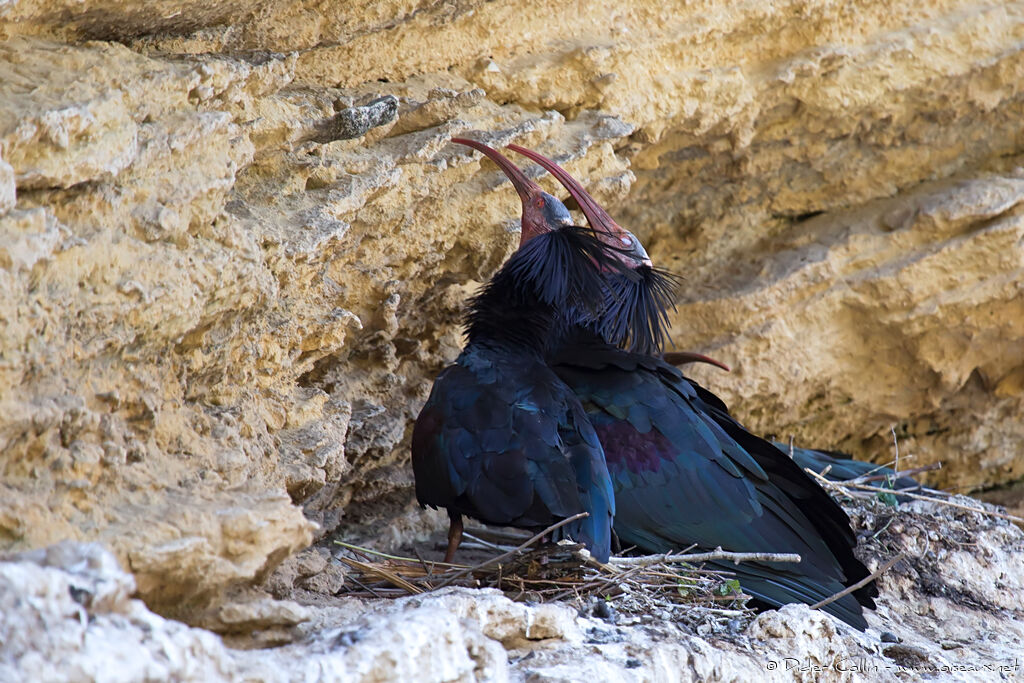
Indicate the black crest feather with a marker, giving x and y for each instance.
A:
(568, 266)
(635, 316)
(561, 271)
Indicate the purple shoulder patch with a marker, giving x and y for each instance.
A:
(626, 448)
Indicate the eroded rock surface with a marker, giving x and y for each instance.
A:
(235, 243)
(948, 611)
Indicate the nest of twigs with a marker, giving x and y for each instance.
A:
(677, 587)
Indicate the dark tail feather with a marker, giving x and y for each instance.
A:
(832, 523)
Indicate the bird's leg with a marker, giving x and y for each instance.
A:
(454, 535)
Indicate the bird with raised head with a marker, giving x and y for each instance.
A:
(501, 438)
(684, 471)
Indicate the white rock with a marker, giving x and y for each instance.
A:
(8, 192)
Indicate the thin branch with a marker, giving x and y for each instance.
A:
(717, 554)
(860, 584)
(499, 558)
(369, 551)
(501, 536)
(865, 478)
(600, 581)
(428, 570)
(485, 543)
(896, 444)
(939, 501)
(384, 573)
(871, 475)
(364, 587)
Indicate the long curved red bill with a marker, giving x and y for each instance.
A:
(684, 357)
(524, 186)
(596, 216)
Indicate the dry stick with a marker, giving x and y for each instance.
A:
(390, 557)
(939, 501)
(844, 486)
(499, 558)
(675, 575)
(497, 536)
(892, 465)
(936, 493)
(484, 543)
(365, 587)
(901, 492)
(863, 582)
(384, 573)
(717, 554)
(896, 465)
(864, 478)
(428, 570)
(612, 561)
(468, 544)
(600, 581)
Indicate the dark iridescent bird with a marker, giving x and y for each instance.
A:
(833, 465)
(501, 438)
(685, 472)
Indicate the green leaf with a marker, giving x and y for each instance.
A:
(888, 498)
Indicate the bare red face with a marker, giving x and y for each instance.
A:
(541, 212)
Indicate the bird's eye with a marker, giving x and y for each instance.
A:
(627, 241)
(540, 202)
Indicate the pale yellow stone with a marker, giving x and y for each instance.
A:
(215, 329)
(8, 189)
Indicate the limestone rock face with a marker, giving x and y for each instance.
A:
(904, 313)
(235, 243)
(946, 609)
